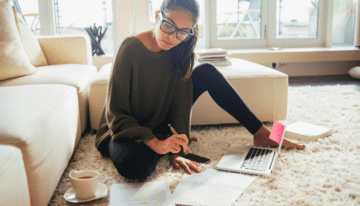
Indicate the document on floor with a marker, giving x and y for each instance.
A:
(211, 187)
(145, 193)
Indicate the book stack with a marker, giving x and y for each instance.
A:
(306, 131)
(215, 56)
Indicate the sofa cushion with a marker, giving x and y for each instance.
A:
(30, 43)
(76, 75)
(14, 188)
(42, 121)
(14, 61)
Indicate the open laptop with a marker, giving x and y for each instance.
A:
(251, 159)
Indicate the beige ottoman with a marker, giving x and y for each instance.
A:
(14, 188)
(263, 89)
(97, 94)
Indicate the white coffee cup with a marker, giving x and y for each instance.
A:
(84, 182)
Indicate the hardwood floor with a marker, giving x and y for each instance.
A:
(345, 80)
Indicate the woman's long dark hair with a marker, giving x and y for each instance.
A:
(183, 55)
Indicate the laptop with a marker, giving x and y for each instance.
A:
(251, 159)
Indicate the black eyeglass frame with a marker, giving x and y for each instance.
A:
(191, 33)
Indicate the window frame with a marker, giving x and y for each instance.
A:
(240, 43)
(319, 41)
(47, 17)
(268, 32)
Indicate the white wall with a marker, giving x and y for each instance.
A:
(316, 68)
(123, 18)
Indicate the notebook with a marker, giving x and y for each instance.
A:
(211, 52)
(251, 159)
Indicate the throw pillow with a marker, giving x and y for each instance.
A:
(13, 59)
(30, 43)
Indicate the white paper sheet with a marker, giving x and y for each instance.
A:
(144, 194)
(211, 187)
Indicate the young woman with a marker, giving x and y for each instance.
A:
(153, 84)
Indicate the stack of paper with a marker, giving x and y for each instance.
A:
(215, 56)
(306, 131)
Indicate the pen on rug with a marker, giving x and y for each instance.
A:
(174, 132)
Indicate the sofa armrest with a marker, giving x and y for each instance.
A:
(66, 49)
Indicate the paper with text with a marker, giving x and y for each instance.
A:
(211, 187)
(144, 194)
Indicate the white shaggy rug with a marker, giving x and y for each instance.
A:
(327, 172)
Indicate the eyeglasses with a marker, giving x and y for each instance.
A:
(169, 28)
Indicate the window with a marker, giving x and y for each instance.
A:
(72, 17)
(238, 19)
(296, 19)
(230, 24)
(30, 10)
(296, 23)
(266, 23)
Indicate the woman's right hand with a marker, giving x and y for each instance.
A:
(172, 144)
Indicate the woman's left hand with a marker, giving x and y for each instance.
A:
(181, 162)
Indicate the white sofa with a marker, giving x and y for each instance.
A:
(263, 89)
(44, 108)
(44, 115)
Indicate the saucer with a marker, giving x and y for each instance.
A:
(101, 191)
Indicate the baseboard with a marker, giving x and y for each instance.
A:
(315, 68)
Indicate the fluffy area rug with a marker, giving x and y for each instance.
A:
(327, 172)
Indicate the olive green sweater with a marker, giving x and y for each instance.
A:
(145, 94)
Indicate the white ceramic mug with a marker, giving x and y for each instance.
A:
(84, 183)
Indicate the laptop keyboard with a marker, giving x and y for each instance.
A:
(257, 159)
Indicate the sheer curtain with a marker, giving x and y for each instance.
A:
(357, 26)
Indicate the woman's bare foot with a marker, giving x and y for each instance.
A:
(262, 139)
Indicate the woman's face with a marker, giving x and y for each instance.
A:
(181, 19)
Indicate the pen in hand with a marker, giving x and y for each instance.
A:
(174, 132)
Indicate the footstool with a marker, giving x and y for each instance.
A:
(263, 89)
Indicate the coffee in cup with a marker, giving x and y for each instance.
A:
(84, 182)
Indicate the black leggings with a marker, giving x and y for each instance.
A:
(137, 161)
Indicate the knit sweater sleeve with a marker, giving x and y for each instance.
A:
(118, 112)
(181, 104)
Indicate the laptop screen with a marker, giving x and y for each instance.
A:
(283, 128)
